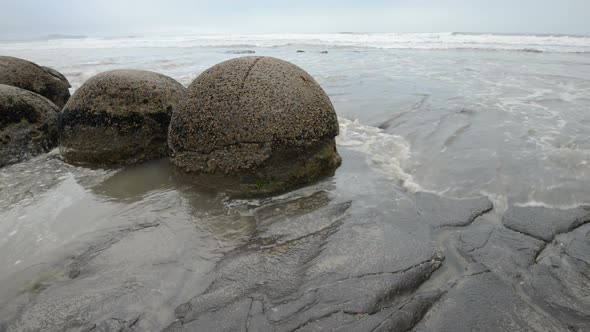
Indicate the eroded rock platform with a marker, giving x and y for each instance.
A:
(352, 253)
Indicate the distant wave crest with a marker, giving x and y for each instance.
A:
(422, 41)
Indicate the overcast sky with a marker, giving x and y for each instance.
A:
(27, 18)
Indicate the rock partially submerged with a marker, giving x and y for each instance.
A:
(119, 117)
(27, 124)
(241, 52)
(544, 223)
(317, 263)
(255, 125)
(29, 76)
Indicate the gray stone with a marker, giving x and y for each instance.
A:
(119, 117)
(312, 279)
(241, 52)
(553, 276)
(27, 124)
(29, 76)
(255, 125)
(317, 263)
(484, 302)
(560, 278)
(501, 250)
(443, 211)
(351, 253)
(544, 223)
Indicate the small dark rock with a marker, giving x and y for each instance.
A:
(119, 117)
(29, 76)
(255, 125)
(241, 52)
(324, 52)
(300, 51)
(27, 124)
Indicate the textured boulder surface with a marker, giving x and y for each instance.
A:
(119, 117)
(29, 76)
(27, 124)
(257, 125)
(57, 75)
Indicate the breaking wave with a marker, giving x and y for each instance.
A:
(426, 41)
(389, 154)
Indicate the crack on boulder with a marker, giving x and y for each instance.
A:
(247, 75)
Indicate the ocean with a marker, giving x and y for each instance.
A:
(453, 114)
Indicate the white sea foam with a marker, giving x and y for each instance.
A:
(549, 206)
(387, 153)
(527, 43)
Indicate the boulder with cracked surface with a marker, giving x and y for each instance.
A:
(29, 76)
(256, 125)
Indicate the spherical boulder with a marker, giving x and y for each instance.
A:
(27, 124)
(255, 125)
(29, 76)
(119, 117)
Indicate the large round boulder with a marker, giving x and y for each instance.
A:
(29, 76)
(255, 125)
(119, 117)
(27, 124)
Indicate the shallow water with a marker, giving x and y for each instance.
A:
(510, 125)
(506, 123)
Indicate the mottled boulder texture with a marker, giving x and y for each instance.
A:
(57, 75)
(29, 76)
(255, 125)
(119, 117)
(27, 124)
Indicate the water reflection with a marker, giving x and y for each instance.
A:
(132, 183)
